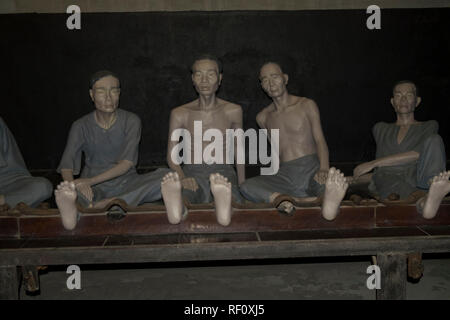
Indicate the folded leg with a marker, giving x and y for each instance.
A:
(29, 190)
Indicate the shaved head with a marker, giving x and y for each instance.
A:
(272, 66)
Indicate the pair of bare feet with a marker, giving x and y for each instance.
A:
(335, 188)
(171, 190)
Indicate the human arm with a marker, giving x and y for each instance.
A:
(177, 122)
(84, 185)
(319, 139)
(392, 160)
(71, 159)
(237, 123)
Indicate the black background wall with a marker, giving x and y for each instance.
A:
(330, 57)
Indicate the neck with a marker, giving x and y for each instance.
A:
(281, 102)
(105, 119)
(404, 119)
(207, 102)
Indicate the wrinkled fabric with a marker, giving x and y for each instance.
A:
(294, 178)
(16, 183)
(410, 177)
(201, 173)
(104, 149)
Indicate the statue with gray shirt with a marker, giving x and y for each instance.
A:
(109, 138)
(410, 159)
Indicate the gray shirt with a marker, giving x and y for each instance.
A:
(11, 161)
(386, 134)
(103, 149)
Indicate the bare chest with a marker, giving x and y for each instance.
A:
(290, 122)
(208, 120)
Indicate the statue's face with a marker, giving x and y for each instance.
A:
(206, 77)
(273, 80)
(105, 94)
(404, 98)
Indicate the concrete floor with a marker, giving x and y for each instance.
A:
(343, 278)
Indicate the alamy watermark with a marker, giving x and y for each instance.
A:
(73, 281)
(74, 20)
(213, 152)
(374, 281)
(374, 21)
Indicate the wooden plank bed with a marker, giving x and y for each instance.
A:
(391, 232)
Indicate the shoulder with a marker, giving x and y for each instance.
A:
(264, 112)
(307, 104)
(431, 125)
(230, 107)
(309, 107)
(129, 116)
(183, 109)
(84, 120)
(381, 125)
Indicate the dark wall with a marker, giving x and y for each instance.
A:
(330, 57)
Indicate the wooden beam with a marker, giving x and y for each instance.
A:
(9, 282)
(393, 276)
(223, 251)
(59, 6)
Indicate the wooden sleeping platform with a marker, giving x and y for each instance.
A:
(30, 238)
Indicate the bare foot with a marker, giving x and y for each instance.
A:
(335, 189)
(65, 196)
(2, 199)
(440, 186)
(173, 199)
(221, 190)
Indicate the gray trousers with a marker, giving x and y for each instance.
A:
(411, 177)
(201, 173)
(294, 178)
(133, 188)
(27, 189)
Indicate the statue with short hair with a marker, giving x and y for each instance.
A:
(109, 138)
(203, 182)
(304, 165)
(410, 158)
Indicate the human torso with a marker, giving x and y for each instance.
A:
(197, 122)
(392, 138)
(295, 131)
(103, 147)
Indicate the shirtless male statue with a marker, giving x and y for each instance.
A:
(16, 183)
(304, 165)
(197, 181)
(410, 156)
(109, 137)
